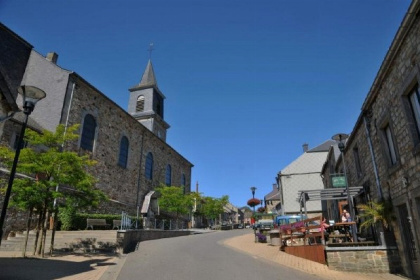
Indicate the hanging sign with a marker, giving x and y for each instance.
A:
(338, 181)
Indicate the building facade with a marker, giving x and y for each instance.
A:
(132, 158)
(382, 153)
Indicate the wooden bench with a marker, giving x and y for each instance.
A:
(90, 223)
(116, 224)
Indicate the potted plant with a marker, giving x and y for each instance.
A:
(378, 213)
(299, 226)
(261, 238)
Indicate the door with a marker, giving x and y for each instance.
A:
(408, 240)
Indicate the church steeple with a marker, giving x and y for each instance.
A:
(148, 79)
(146, 103)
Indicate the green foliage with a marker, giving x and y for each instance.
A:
(66, 216)
(213, 207)
(173, 200)
(376, 212)
(45, 158)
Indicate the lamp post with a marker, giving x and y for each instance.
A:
(340, 137)
(253, 194)
(30, 95)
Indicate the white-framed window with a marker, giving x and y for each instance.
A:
(391, 150)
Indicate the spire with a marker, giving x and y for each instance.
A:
(148, 79)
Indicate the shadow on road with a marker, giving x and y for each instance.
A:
(48, 268)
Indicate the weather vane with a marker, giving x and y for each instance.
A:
(150, 49)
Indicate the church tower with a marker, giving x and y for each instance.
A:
(146, 103)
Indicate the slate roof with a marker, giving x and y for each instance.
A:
(311, 160)
(148, 79)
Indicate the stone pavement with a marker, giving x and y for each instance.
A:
(65, 266)
(106, 267)
(245, 243)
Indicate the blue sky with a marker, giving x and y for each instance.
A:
(246, 82)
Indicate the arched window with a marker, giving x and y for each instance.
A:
(88, 133)
(149, 167)
(122, 159)
(168, 177)
(183, 182)
(140, 104)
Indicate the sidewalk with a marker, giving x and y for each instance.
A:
(65, 266)
(245, 243)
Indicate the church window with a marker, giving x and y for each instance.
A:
(88, 133)
(183, 182)
(122, 159)
(168, 177)
(149, 166)
(140, 104)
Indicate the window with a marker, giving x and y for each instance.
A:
(168, 176)
(149, 166)
(140, 104)
(390, 146)
(122, 159)
(88, 133)
(357, 162)
(414, 98)
(183, 182)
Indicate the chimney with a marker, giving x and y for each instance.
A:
(52, 56)
(196, 187)
(305, 147)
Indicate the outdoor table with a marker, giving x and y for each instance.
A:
(344, 229)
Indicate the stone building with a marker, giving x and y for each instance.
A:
(382, 153)
(130, 147)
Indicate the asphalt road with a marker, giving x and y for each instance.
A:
(201, 257)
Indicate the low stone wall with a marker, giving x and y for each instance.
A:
(127, 239)
(373, 259)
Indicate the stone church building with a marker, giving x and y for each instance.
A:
(130, 147)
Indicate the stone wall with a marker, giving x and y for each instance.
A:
(363, 259)
(127, 240)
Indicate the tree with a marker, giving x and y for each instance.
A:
(173, 200)
(46, 159)
(212, 207)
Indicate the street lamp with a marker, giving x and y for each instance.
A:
(253, 191)
(30, 95)
(340, 137)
